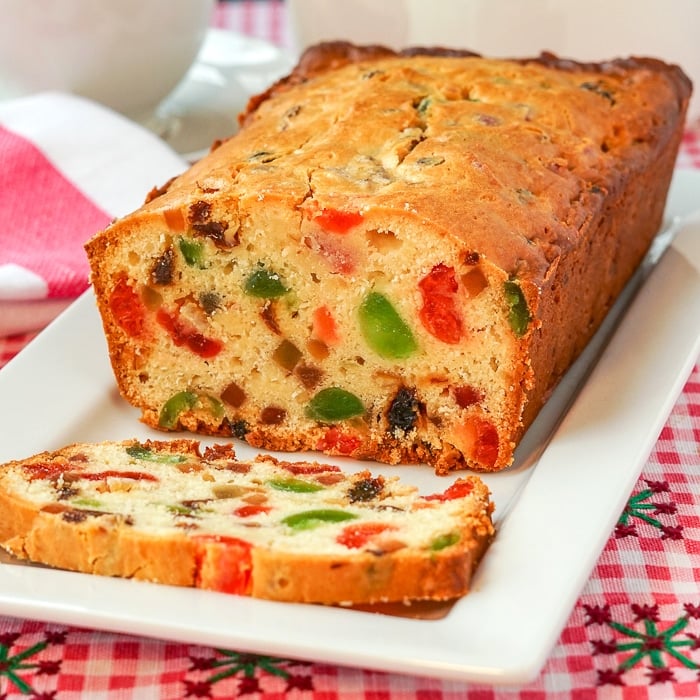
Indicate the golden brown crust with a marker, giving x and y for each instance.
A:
(328, 56)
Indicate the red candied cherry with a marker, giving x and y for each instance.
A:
(357, 536)
(439, 314)
(126, 306)
(223, 564)
(324, 327)
(478, 439)
(181, 335)
(251, 509)
(337, 221)
(336, 441)
(459, 489)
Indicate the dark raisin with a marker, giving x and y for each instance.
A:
(216, 230)
(272, 415)
(471, 258)
(200, 220)
(239, 429)
(366, 489)
(403, 412)
(210, 302)
(200, 213)
(162, 271)
(67, 492)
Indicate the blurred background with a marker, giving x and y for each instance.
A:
(157, 61)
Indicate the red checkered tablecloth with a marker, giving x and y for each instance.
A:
(633, 634)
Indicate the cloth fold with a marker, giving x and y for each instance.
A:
(67, 167)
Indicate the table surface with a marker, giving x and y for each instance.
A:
(634, 632)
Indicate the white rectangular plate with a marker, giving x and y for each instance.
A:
(555, 508)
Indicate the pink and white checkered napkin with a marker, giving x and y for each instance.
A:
(67, 167)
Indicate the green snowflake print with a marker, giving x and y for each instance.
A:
(649, 642)
(645, 506)
(11, 665)
(249, 668)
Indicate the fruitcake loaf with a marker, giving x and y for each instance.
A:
(396, 257)
(174, 513)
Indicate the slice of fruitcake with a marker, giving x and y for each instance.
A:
(174, 513)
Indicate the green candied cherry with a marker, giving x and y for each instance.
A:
(264, 284)
(139, 451)
(519, 315)
(444, 541)
(384, 330)
(87, 502)
(334, 404)
(294, 485)
(186, 401)
(174, 406)
(309, 519)
(192, 252)
(178, 509)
